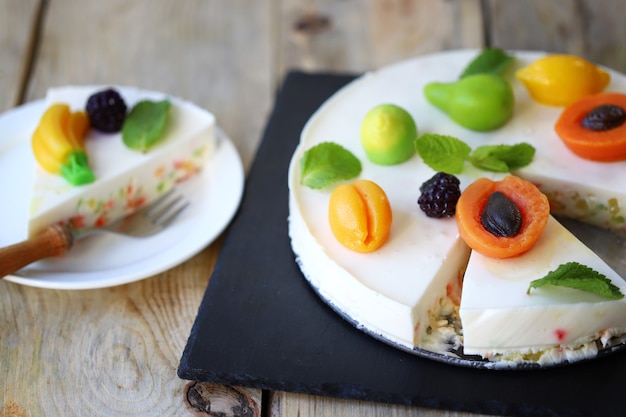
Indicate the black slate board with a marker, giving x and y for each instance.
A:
(261, 325)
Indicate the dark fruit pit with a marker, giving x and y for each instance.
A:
(501, 217)
(605, 117)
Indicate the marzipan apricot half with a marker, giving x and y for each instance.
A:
(603, 146)
(360, 215)
(533, 206)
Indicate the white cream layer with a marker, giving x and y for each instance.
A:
(499, 316)
(124, 178)
(391, 291)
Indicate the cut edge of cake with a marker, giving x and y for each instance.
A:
(558, 323)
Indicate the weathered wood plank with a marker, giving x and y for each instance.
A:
(100, 352)
(214, 53)
(306, 405)
(356, 36)
(17, 20)
(115, 351)
(592, 29)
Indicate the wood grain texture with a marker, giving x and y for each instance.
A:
(115, 351)
(307, 405)
(54, 240)
(100, 352)
(214, 53)
(357, 36)
(592, 29)
(18, 22)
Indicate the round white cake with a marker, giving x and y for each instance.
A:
(408, 291)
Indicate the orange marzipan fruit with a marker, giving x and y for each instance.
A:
(533, 206)
(360, 215)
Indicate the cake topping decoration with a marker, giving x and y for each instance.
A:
(501, 217)
(439, 195)
(448, 154)
(443, 153)
(106, 110)
(57, 144)
(481, 99)
(145, 124)
(489, 61)
(531, 203)
(360, 215)
(328, 163)
(607, 141)
(604, 117)
(560, 80)
(480, 102)
(581, 277)
(387, 134)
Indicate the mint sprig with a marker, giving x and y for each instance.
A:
(580, 277)
(327, 163)
(443, 153)
(502, 158)
(145, 124)
(449, 154)
(489, 61)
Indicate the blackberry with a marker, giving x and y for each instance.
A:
(439, 195)
(106, 110)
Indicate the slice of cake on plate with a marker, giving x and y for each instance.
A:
(124, 179)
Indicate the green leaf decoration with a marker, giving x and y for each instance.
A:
(490, 60)
(145, 124)
(448, 154)
(328, 163)
(502, 158)
(442, 153)
(580, 277)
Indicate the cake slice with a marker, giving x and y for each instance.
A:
(393, 293)
(502, 320)
(124, 179)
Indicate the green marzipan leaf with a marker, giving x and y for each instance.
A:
(490, 60)
(442, 153)
(327, 163)
(580, 277)
(145, 124)
(502, 158)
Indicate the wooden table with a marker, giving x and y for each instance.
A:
(115, 351)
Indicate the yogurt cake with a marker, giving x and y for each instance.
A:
(125, 179)
(415, 292)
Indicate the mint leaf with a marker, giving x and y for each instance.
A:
(581, 277)
(442, 153)
(448, 154)
(502, 158)
(145, 124)
(327, 163)
(490, 60)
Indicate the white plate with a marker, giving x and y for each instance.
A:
(106, 260)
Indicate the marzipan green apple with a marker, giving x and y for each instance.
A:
(388, 133)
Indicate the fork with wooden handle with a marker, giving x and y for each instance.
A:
(55, 240)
